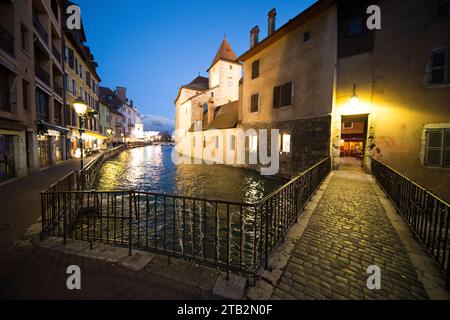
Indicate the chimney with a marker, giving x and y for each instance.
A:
(271, 19)
(211, 111)
(122, 93)
(131, 103)
(254, 37)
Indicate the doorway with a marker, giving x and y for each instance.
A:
(353, 142)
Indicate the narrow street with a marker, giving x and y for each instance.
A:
(348, 232)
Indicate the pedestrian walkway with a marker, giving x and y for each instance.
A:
(348, 232)
(38, 273)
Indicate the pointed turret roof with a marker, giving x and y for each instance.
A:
(225, 53)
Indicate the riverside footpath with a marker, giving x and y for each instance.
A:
(33, 272)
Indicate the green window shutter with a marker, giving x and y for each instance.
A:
(276, 97)
(434, 148)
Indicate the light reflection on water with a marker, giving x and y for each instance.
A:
(151, 169)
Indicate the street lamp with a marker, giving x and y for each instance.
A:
(81, 109)
(354, 100)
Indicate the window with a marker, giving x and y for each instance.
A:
(355, 27)
(24, 37)
(442, 9)
(58, 113)
(286, 143)
(439, 66)
(212, 94)
(42, 108)
(5, 103)
(253, 143)
(306, 36)
(217, 141)
(71, 57)
(347, 125)
(110, 97)
(233, 143)
(74, 88)
(25, 94)
(282, 95)
(255, 69)
(254, 103)
(76, 65)
(438, 148)
(231, 67)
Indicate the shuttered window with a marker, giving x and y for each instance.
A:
(438, 148)
(255, 69)
(276, 97)
(282, 95)
(439, 67)
(254, 103)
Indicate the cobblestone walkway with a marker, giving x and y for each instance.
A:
(348, 232)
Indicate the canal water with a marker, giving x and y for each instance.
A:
(151, 169)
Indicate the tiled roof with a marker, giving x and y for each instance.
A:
(225, 53)
(226, 116)
(199, 83)
(115, 102)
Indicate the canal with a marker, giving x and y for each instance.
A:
(151, 169)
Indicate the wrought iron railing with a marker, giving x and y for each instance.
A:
(426, 214)
(57, 88)
(40, 28)
(6, 41)
(42, 74)
(56, 53)
(233, 236)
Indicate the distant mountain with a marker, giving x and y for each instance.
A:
(159, 124)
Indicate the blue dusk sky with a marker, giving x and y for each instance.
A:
(154, 47)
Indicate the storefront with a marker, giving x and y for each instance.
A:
(6, 157)
(92, 143)
(51, 144)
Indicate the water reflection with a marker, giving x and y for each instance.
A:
(151, 169)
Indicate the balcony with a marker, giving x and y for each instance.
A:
(42, 74)
(40, 28)
(6, 41)
(58, 89)
(56, 53)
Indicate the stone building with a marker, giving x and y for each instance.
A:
(211, 102)
(333, 87)
(288, 84)
(401, 75)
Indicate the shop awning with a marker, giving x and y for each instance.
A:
(43, 127)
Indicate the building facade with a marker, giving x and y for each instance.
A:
(31, 79)
(333, 87)
(81, 82)
(401, 75)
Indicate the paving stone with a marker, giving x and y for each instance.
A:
(348, 232)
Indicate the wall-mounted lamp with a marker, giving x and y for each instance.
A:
(354, 100)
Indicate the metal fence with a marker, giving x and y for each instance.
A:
(427, 215)
(233, 236)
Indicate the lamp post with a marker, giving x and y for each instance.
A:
(109, 132)
(81, 109)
